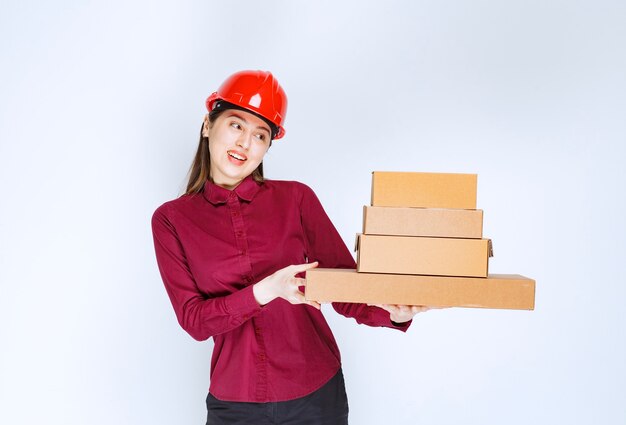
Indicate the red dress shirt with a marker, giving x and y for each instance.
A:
(213, 246)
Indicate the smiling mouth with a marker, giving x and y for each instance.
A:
(236, 156)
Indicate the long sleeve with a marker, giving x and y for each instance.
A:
(213, 246)
(324, 244)
(199, 315)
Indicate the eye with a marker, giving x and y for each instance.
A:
(261, 136)
(235, 125)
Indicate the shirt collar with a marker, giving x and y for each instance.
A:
(218, 195)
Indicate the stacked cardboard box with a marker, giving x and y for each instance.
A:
(422, 244)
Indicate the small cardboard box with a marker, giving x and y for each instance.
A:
(424, 190)
(503, 291)
(435, 222)
(417, 255)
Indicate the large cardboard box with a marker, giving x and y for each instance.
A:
(435, 222)
(425, 190)
(417, 255)
(504, 291)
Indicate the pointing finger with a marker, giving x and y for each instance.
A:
(304, 267)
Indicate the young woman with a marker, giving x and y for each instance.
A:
(232, 252)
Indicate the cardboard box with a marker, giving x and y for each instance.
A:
(505, 291)
(417, 255)
(435, 222)
(424, 190)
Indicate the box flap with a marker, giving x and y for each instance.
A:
(372, 189)
(364, 217)
(356, 242)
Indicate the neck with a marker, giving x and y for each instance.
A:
(227, 184)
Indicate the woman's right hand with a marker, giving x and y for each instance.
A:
(284, 284)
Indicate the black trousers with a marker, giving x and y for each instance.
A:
(326, 406)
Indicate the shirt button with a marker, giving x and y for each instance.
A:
(238, 234)
(242, 252)
(247, 279)
(235, 213)
(261, 357)
(257, 330)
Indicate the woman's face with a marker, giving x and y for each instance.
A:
(238, 141)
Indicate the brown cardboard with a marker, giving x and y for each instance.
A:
(417, 255)
(424, 190)
(435, 222)
(502, 291)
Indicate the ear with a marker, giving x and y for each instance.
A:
(206, 126)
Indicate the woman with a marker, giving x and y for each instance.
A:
(232, 252)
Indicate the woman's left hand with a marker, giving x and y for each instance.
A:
(402, 313)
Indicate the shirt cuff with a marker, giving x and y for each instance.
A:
(242, 305)
(404, 325)
(382, 317)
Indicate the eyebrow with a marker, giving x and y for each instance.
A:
(236, 115)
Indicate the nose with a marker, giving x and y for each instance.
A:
(243, 141)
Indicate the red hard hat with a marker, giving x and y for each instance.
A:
(256, 91)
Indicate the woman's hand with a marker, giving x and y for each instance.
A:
(283, 284)
(402, 313)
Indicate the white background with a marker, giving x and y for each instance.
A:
(100, 108)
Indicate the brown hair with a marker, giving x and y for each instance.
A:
(200, 170)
